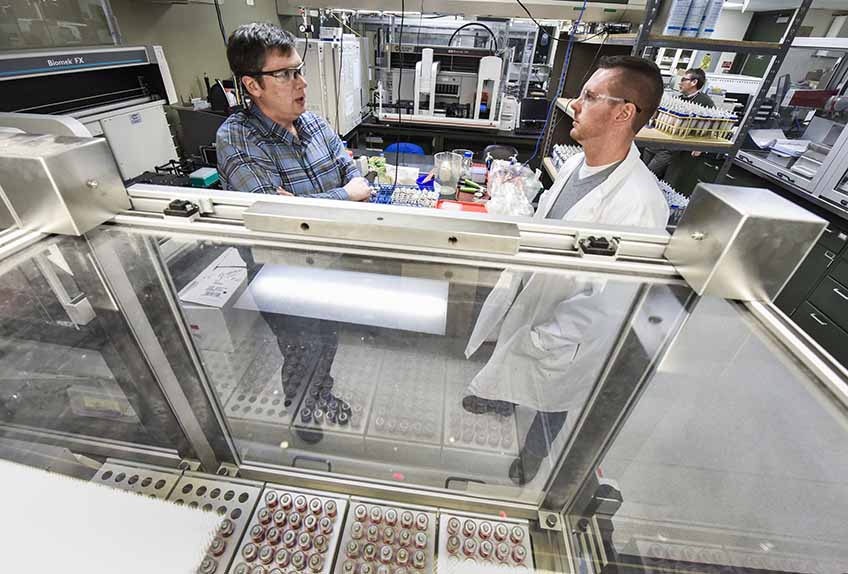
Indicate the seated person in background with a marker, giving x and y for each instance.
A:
(275, 145)
(691, 84)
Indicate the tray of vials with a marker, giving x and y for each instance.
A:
(473, 544)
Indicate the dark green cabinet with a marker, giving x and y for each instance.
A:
(821, 328)
(808, 274)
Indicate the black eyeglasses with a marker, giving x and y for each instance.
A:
(688, 79)
(284, 74)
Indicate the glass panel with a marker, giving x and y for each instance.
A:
(70, 369)
(734, 458)
(798, 126)
(358, 364)
(54, 24)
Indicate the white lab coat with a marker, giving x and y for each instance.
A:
(553, 339)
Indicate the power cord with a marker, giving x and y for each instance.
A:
(489, 30)
(220, 21)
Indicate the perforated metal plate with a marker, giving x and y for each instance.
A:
(384, 539)
(291, 531)
(232, 498)
(476, 544)
(154, 482)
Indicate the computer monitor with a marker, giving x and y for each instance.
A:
(534, 112)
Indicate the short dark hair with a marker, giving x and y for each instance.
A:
(640, 83)
(699, 76)
(249, 44)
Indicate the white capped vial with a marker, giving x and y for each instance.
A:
(501, 531)
(383, 569)
(304, 541)
(402, 556)
(266, 554)
(366, 569)
(227, 528)
(289, 538)
(421, 521)
(486, 549)
(469, 547)
(249, 552)
(453, 525)
(419, 559)
(485, 530)
(516, 534)
(282, 557)
(264, 516)
(279, 518)
(519, 554)
(257, 533)
(352, 549)
(406, 519)
(208, 566)
(300, 503)
(271, 499)
(258, 570)
(401, 571)
(310, 523)
(356, 530)
(326, 525)
(315, 506)
(331, 508)
(372, 533)
(217, 547)
(316, 562)
(386, 554)
(294, 520)
(348, 567)
(376, 515)
(391, 517)
(388, 535)
(360, 513)
(369, 552)
(274, 535)
(453, 544)
(405, 537)
(276, 571)
(420, 540)
(298, 560)
(320, 543)
(241, 569)
(469, 528)
(286, 501)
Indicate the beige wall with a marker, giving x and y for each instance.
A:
(189, 34)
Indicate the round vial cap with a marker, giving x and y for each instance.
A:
(227, 528)
(282, 557)
(258, 570)
(286, 501)
(315, 506)
(276, 571)
(279, 518)
(402, 556)
(360, 513)
(316, 562)
(274, 535)
(516, 534)
(419, 559)
(326, 525)
(406, 519)
(343, 418)
(290, 538)
(376, 515)
(519, 554)
(372, 533)
(388, 535)
(405, 537)
(469, 547)
(264, 516)
(208, 566)
(310, 523)
(304, 541)
(348, 567)
(486, 548)
(485, 530)
(383, 569)
(352, 549)
(369, 552)
(320, 543)
(391, 516)
(298, 560)
(386, 554)
(453, 544)
(501, 531)
(294, 520)
(300, 503)
(218, 546)
(249, 552)
(271, 499)
(241, 569)
(502, 552)
(356, 530)
(420, 540)
(421, 521)
(401, 571)
(266, 554)
(366, 569)
(257, 533)
(469, 527)
(453, 526)
(330, 508)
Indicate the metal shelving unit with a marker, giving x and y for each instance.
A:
(645, 43)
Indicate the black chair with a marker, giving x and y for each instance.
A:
(497, 151)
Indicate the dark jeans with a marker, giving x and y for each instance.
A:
(543, 431)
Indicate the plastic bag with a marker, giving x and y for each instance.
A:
(512, 186)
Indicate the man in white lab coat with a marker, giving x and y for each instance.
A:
(553, 337)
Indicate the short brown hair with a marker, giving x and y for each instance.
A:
(249, 44)
(640, 82)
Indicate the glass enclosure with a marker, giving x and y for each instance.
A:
(734, 458)
(801, 127)
(54, 24)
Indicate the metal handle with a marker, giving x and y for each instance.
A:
(830, 255)
(817, 320)
(785, 177)
(451, 479)
(840, 293)
(313, 459)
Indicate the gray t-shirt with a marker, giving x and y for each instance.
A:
(576, 189)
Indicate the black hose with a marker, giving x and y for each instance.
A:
(221, 21)
(489, 30)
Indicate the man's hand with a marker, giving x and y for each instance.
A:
(282, 191)
(696, 154)
(357, 189)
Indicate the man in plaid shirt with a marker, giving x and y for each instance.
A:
(275, 145)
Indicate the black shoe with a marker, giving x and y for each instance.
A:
(524, 468)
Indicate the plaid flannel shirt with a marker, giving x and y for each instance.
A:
(257, 155)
